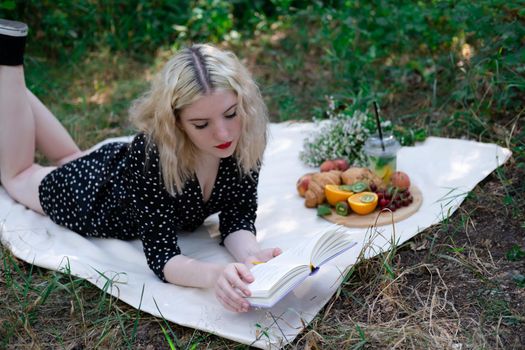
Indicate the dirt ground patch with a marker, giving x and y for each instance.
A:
(455, 286)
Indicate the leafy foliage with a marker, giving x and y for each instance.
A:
(65, 28)
(68, 29)
(515, 253)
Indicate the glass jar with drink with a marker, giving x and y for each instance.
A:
(381, 153)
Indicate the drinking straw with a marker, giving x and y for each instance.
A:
(379, 126)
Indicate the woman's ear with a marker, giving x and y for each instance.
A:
(176, 116)
(179, 125)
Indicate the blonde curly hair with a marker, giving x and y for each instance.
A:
(190, 74)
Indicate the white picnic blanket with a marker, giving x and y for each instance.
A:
(444, 169)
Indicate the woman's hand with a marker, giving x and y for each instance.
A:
(244, 248)
(262, 256)
(231, 287)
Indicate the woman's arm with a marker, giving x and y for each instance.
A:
(181, 270)
(185, 271)
(243, 246)
(230, 281)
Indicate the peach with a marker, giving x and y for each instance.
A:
(303, 183)
(328, 165)
(400, 180)
(341, 164)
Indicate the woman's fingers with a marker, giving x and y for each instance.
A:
(268, 254)
(229, 303)
(231, 289)
(221, 291)
(245, 275)
(233, 303)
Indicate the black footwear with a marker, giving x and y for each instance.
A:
(12, 42)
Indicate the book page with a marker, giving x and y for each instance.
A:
(298, 255)
(332, 244)
(275, 278)
(270, 274)
(269, 277)
(283, 289)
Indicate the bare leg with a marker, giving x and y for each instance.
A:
(20, 176)
(52, 139)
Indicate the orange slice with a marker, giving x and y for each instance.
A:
(335, 194)
(363, 203)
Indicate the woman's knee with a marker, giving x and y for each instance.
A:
(17, 183)
(23, 187)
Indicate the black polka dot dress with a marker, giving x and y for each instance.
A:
(117, 191)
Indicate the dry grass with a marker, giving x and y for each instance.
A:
(406, 298)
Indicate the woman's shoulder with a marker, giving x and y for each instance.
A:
(143, 150)
(141, 139)
(143, 144)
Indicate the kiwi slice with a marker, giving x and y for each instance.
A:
(346, 188)
(367, 198)
(359, 187)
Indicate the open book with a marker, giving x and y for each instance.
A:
(279, 276)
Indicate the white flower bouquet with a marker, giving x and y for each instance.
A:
(342, 135)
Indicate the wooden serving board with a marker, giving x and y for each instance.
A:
(383, 218)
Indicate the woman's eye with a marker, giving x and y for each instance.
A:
(229, 116)
(200, 126)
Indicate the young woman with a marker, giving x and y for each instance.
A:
(202, 133)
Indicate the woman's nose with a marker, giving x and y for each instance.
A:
(222, 132)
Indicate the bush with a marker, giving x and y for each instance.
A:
(67, 29)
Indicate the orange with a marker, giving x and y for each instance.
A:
(335, 194)
(363, 203)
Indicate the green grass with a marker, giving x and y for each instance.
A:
(451, 68)
(53, 309)
(91, 99)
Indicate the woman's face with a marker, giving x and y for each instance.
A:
(212, 124)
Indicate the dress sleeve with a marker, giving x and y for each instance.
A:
(148, 205)
(240, 212)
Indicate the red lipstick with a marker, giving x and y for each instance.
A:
(224, 145)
